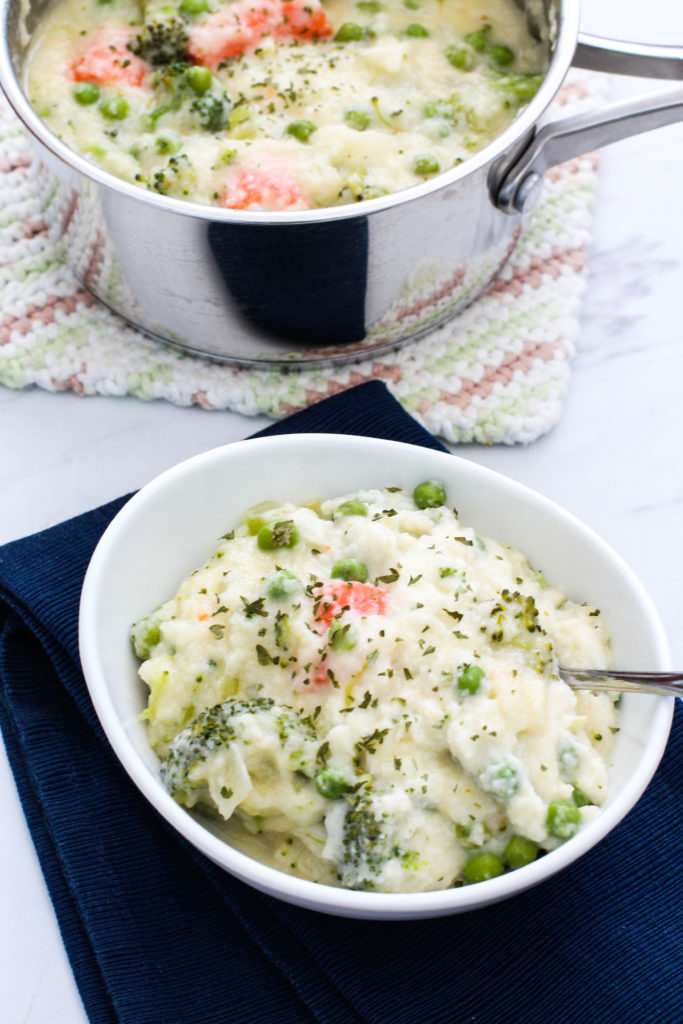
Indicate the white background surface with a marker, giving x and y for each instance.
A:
(615, 459)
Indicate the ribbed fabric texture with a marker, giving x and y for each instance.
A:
(158, 935)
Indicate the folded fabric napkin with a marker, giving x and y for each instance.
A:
(157, 935)
(499, 372)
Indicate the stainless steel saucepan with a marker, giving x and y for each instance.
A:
(326, 285)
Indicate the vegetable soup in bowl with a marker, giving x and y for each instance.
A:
(331, 663)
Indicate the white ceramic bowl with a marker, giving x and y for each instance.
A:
(171, 525)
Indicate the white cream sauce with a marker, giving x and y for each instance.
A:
(292, 121)
(381, 731)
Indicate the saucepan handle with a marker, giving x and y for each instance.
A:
(573, 136)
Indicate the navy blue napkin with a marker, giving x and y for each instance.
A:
(157, 935)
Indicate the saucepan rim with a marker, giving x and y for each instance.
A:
(567, 35)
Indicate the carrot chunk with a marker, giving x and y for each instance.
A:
(338, 596)
(107, 60)
(263, 188)
(242, 25)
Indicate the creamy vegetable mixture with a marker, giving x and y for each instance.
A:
(281, 104)
(365, 693)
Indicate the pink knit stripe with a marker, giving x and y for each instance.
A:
(571, 92)
(44, 314)
(378, 371)
(15, 162)
(538, 271)
(521, 362)
(71, 383)
(573, 166)
(33, 226)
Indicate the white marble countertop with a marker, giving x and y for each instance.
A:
(615, 459)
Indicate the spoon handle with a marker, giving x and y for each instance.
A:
(665, 684)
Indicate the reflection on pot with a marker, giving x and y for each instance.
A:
(305, 294)
(280, 285)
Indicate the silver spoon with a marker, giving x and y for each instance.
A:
(664, 684)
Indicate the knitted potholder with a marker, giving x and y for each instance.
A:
(498, 372)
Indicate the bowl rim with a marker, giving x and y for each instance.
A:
(506, 142)
(290, 888)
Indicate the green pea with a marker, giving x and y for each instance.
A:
(579, 797)
(358, 119)
(470, 678)
(460, 57)
(351, 508)
(331, 783)
(191, 8)
(301, 130)
(371, 6)
(481, 867)
(279, 533)
(164, 144)
(283, 585)
(86, 93)
(429, 494)
(199, 79)
(426, 165)
(342, 637)
(501, 781)
(256, 516)
(115, 108)
(478, 40)
(412, 5)
(501, 54)
(430, 109)
(415, 31)
(350, 569)
(520, 88)
(563, 819)
(349, 32)
(520, 851)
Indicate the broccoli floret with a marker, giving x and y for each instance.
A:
(270, 744)
(366, 844)
(212, 112)
(386, 840)
(211, 730)
(177, 177)
(162, 42)
(171, 74)
(372, 842)
(173, 89)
